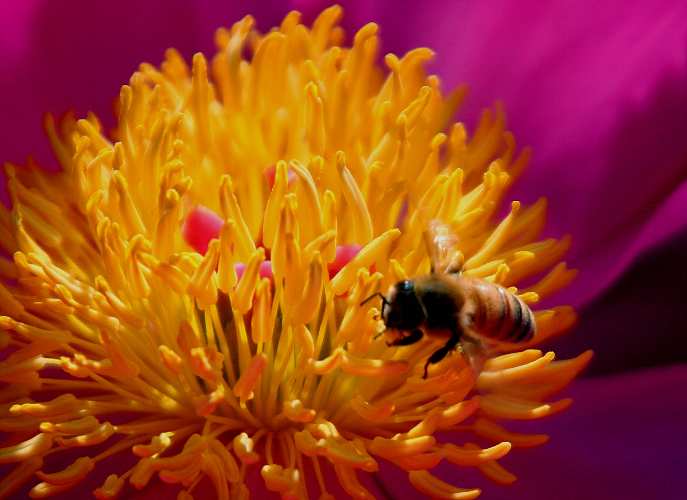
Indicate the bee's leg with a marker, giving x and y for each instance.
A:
(441, 353)
(409, 339)
(474, 352)
(455, 265)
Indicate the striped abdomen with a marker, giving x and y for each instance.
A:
(499, 314)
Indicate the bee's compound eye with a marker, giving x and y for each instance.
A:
(404, 311)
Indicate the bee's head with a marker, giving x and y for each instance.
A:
(402, 309)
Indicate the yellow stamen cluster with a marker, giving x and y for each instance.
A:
(117, 337)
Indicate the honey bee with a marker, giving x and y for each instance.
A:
(464, 311)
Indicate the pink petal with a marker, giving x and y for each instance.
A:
(600, 94)
(77, 55)
(622, 438)
(641, 320)
(15, 22)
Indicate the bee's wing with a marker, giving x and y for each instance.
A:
(442, 246)
(475, 352)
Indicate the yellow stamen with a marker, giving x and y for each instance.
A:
(243, 447)
(19, 475)
(259, 352)
(74, 473)
(429, 485)
(110, 489)
(249, 379)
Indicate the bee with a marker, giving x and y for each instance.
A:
(464, 311)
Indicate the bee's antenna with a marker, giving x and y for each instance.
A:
(378, 294)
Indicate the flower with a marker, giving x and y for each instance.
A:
(119, 338)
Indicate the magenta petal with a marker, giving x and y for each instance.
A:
(601, 95)
(622, 438)
(76, 55)
(666, 220)
(15, 28)
(641, 321)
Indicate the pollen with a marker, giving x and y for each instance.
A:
(187, 289)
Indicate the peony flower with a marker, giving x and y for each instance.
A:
(119, 338)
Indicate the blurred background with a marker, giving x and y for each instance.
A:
(598, 91)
